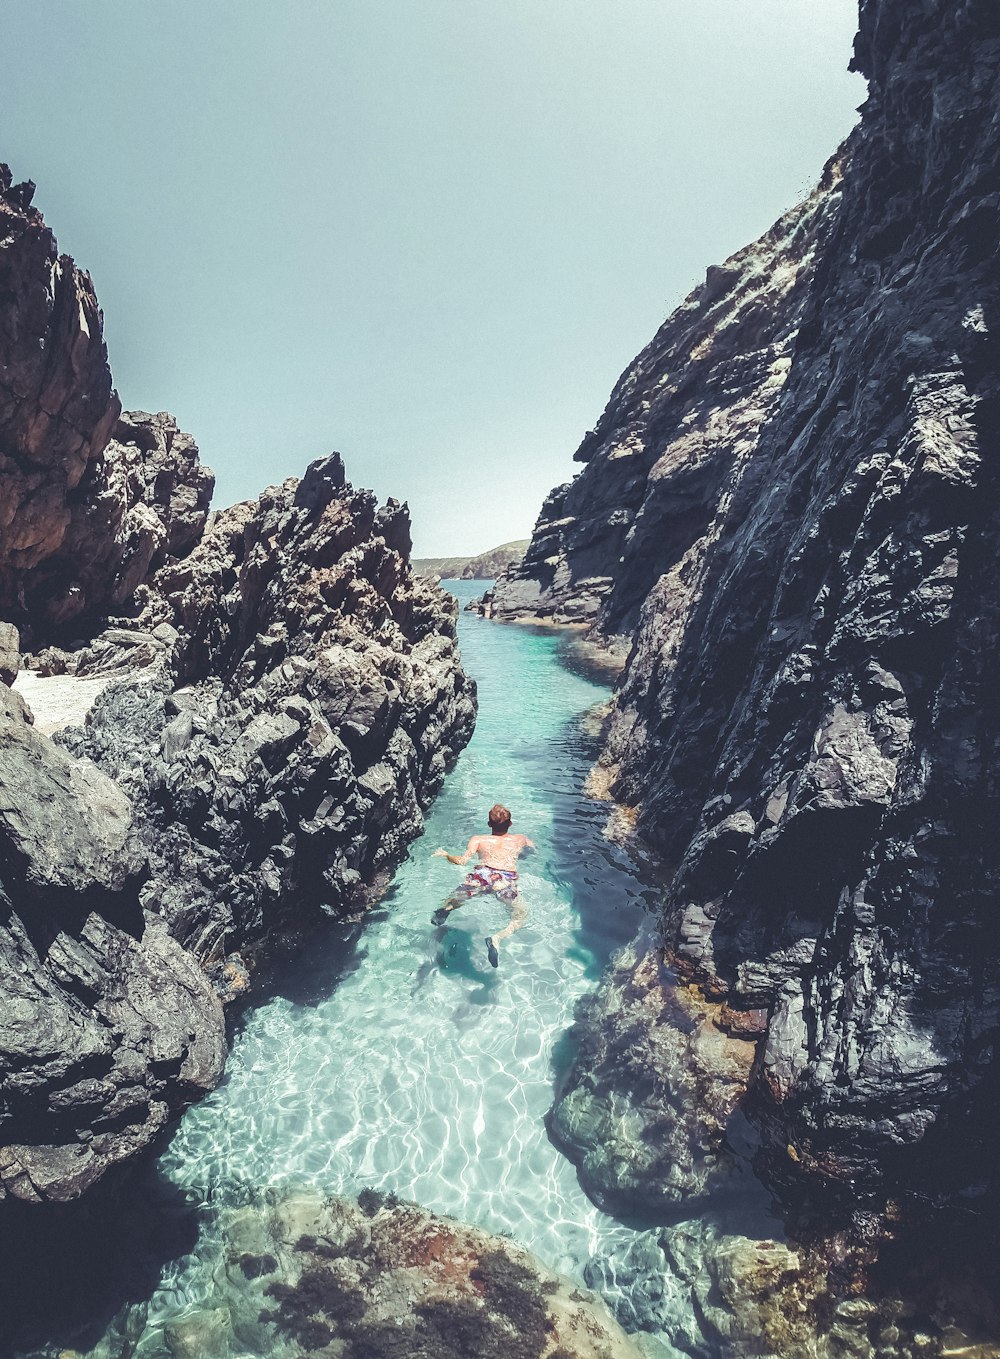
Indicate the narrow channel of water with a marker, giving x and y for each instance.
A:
(395, 1056)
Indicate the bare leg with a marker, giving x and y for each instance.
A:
(442, 912)
(519, 914)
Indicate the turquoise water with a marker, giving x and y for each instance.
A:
(396, 1057)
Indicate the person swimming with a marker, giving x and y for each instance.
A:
(496, 872)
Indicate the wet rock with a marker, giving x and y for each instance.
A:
(646, 1108)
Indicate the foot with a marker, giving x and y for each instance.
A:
(491, 952)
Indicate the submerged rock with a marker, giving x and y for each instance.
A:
(299, 1273)
(647, 1105)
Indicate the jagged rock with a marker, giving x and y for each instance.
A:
(681, 418)
(791, 490)
(107, 1025)
(10, 653)
(289, 701)
(83, 517)
(57, 407)
(298, 1273)
(284, 744)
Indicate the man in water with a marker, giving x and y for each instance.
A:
(496, 872)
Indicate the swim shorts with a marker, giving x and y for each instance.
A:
(485, 879)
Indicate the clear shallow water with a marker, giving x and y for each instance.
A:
(402, 1060)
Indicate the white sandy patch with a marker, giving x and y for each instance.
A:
(59, 701)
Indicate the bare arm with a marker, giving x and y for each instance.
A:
(470, 849)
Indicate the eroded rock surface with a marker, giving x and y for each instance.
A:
(683, 419)
(269, 701)
(290, 735)
(107, 1025)
(808, 723)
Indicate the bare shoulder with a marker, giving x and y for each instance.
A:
(524, 842)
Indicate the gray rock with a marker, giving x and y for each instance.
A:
(791, 489)
(107, 1025)
(10, 653)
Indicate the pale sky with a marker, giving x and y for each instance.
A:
(429, 233)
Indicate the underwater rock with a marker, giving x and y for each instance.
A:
(375, 1278)
(646, 1107)
(706, 1287)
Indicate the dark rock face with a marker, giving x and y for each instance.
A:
(57, 407)
(107, 1025)
(809, 721)
(683, 418)
(284, 749)
(84, 516)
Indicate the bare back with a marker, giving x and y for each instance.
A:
(499, 851)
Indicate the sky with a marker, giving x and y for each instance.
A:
(427, 233)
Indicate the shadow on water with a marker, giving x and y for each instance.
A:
(67, 1270)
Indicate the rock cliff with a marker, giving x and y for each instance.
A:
(487, 566)
(808, 722)
(276, 699)
(83, 516)
(298, 718)
(680, 422)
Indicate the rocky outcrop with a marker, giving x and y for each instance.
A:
(486, 566)
(681, 422)
(287, 701)
(271, 701)
(300, 715)
(89, 502)
(57, 407)
(107, 1025)
(808, 722)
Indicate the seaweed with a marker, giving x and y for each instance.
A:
(305, 1309)
(253, 1266)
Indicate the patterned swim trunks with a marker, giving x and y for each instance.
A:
(485, 879)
